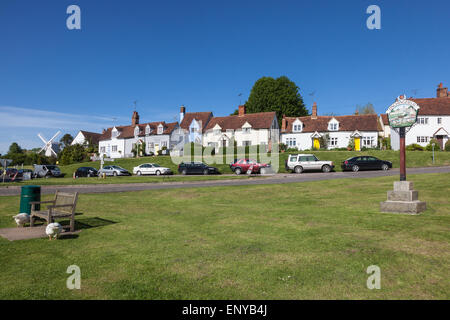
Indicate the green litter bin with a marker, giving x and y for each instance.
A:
(27, 195)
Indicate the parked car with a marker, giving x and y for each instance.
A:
(151, 168)
(114, 171)
(86, 172)
(243, 165)
(305, 162)
(196, 168)
(46, 171)
(365, 163)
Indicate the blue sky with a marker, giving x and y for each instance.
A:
(203, 54)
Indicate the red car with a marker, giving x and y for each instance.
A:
(243, 165)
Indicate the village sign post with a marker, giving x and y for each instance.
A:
(402, 115)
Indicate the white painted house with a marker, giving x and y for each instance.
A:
(246, 129)
(194, 124)
(385, 128)
(119, 141)
(433, 121)
(86, 137)
(304, 133)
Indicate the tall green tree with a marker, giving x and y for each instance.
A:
(14, 148)
(280, 95)
(66, 140)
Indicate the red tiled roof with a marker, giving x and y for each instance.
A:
(204, 117)
(261, 120)
(385, 119)
(346, 123)
(433, 106)
(128, 131)
(92, 137)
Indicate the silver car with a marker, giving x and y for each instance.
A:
(113, 171)
(302, 162)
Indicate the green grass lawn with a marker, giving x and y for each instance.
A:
(290, 241)
(414, 159)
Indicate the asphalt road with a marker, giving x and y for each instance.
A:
(273, 179)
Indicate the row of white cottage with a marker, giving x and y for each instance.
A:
(262, 129)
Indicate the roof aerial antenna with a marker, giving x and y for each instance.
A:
(414, 91)
(311, 94)
(135, 102)
(240, 98)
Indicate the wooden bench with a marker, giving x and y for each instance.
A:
(62, 206)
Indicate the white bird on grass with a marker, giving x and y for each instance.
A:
(21, 219)
(53, 230)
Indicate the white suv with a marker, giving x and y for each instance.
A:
(301, 162)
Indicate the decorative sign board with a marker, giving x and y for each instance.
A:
(403, 113)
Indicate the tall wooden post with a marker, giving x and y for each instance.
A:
(402, 155)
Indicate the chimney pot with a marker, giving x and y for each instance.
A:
(135, 118)
(182, 113)
(442, 92)
(241, 111)
(314, 111)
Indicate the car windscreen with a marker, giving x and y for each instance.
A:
(156, 165)
(117, 167)
(52, 168)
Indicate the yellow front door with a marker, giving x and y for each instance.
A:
(156, 148)
(358, 144)
(316, 143)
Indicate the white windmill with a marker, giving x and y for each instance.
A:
(50, 146)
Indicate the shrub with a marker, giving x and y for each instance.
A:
(414, 147)
(429, 146)
(447, 146)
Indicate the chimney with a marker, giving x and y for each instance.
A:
(442, 92)
(314, 111)
(135, 118)
(182, 112)
(283, 124)
(241, 111)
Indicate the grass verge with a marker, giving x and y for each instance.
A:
(289, 241)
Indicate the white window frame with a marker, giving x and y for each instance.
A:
(114, 148)
(333, 141)
(368, 142)
(297, 128)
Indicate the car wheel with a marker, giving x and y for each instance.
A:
(238, 171)
(326, 168)
(384, 167)
(158, 173)
(115, 174)
(298, 169)
(355, 168)
(206, 172)
(139, 173)
(184, 172)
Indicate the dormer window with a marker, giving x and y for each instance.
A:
(247, 130)
(333, 125)
(160, 129)
(217, 131)
(136, 131)
(114, 133)
(297, 126)
(147, 130)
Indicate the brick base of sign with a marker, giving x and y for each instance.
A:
(403, 199)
